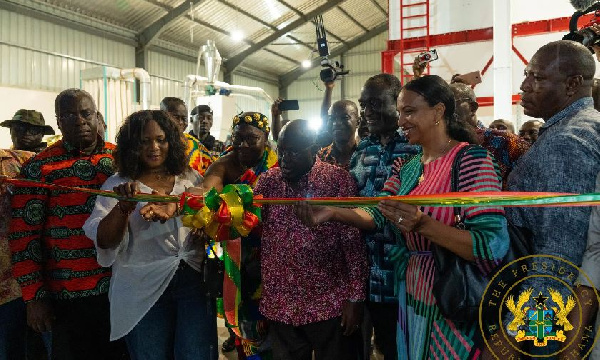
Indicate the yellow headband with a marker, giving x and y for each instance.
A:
(257, 120)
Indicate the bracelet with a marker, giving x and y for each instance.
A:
(124, 212)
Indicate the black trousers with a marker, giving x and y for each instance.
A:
(82, 329)
(384, 317)
(325, 338)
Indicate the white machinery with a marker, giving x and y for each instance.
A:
(225, 107)
(115, 94)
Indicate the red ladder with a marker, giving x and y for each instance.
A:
(413, 12)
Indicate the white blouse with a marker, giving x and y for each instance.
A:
(147, 258)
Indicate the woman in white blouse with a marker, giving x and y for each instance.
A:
(157, 299)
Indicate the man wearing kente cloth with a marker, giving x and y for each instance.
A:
(243, 163)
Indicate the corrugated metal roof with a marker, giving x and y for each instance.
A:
(132, 14)
(370, 18)
(339, 24)
(269, 63)
(216, 19)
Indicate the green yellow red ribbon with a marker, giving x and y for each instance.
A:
(235, 211)
(196, 202)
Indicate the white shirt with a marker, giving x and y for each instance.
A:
(147, 258)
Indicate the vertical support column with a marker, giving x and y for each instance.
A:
(228, 77)
(394, 20)
(343, 79)
(141, 61)
(502, 60)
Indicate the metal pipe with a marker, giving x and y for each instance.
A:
(261, 91)
(144, 79)
(190, 82)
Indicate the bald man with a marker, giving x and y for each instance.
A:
(314, 279)
(342, 125)
(565, 158)
(530, 130)
(503, 125)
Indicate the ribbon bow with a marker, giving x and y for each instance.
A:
(223, 216)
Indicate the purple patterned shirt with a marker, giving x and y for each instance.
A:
(308, 273)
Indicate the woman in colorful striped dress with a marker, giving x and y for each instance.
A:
(426, 107)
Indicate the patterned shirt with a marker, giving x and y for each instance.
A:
(198, 155)
(505, 147)
(371, 166)
(308, 273)
(10, 165)
(328, 155)
(51, 255)
(565, 158)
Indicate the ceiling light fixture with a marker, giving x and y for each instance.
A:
(237, 35)
(306, 63)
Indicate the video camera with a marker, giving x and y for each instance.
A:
(330, 70)
(585, 35)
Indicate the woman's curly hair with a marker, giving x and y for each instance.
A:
(129, 144)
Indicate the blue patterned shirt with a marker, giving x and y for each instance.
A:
(565, 158)
(371, 166)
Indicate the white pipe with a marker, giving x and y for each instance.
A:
(245, 88)
(245, 96)
(502, 60)
(144, 78)
(191, 81)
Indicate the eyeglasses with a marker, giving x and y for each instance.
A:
(24, 129)
(462, 100)
(250, 140)
(291, 153)
(72, 117)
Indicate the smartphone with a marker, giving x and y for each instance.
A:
(473, 78)
(428, 56)
(286, 105)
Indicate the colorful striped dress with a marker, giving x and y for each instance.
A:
(423, 333)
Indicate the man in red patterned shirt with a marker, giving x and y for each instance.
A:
(314, 279)
(53, 261)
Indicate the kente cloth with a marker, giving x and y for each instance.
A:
(242, 285)
(198, 155)
(10, 165)
(424, 333)
(506, 148)
(51, 255)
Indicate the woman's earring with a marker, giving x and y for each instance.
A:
(437, 123)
